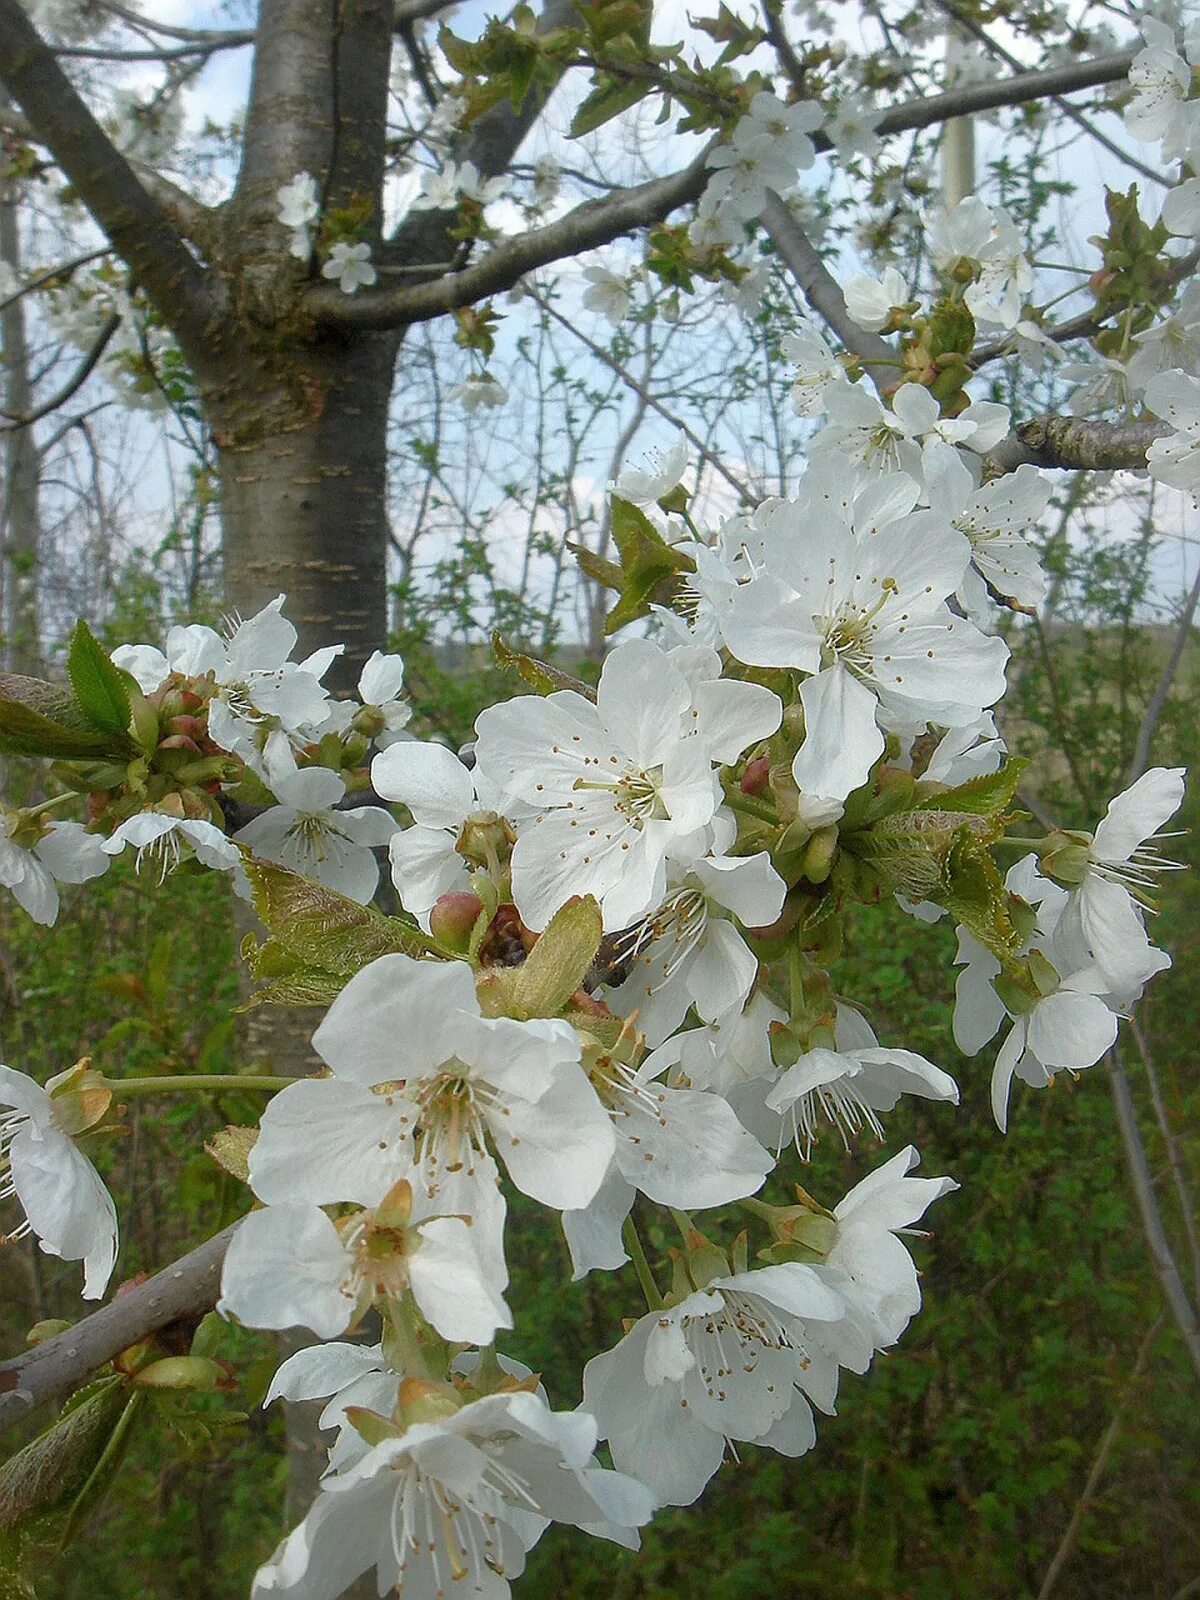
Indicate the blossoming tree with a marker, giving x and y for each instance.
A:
(612, 986)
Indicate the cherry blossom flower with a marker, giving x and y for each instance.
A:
(66, 1206)
(350, 265)
(299, 207)
(157, 836)
(449, 1085)
(817, 369)
(736, 1360)
(870, 301)
(1120, 869)
(680, 1147)
(263, 702)
(621, 784)
(1160, 79)
(688, 952)
(607, 294)
(311, 834)
(1005, 276)
(844, 1088)
(289, 1266)
(479, 390)
(868, 1267)
(456, 1501)
(868, 618)
(1175, 459)
(663, 472)
(36, 856)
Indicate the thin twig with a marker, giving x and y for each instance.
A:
(1165, 1266)
(1100, 1461)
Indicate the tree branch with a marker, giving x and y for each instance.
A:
(137, 224)
(823, 294)
(1014, 91)
(1075, 443)
(424, 236)
(593, 223)
(73, 384)
(1165, 1267)
(49, 1370)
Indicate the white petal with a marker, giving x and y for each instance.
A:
(284, 1269)
(328, 1139)
(388, 1022)
(450, 1287)
(1141, 811)
(429, 779)
(67, 1205)
(841, 739)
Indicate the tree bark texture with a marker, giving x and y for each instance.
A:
(20, 510)
(301, 439)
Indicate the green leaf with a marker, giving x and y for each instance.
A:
(984, 796)
(100, 687)
(973, 893)
(319, 938)
(607, 573)
(540, 675)
(560, 960)
(607, 100)
(41, 1485)
(40, 719)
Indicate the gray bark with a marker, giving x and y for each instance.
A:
(20, 510)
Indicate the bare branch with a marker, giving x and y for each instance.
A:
(137, 224)
(50, 1370)
(823, 294)
(1066, 1544)
(63, 270)
(1154, 709)
(1165, 1267)
(1076, 444)
(593, 223)
(202, 45)
(73, 384)
(643, 393)
(1014, 91)
(1183, 1193)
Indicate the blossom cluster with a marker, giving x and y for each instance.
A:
(613, 986)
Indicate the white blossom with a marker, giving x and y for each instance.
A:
(350, 265)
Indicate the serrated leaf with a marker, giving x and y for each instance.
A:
(100, 688)
(973, 893)
(558, 963)
(230, 1148)
(595, 567)
(323, 928)
(984, 796)
(539, 675)
(40, 719)
(319, 938)
(46, 1476)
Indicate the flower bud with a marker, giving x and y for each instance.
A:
(755, 775)
(81, 1097)
(183, 1372)
(453, 918)
(1064, 857)
(803, 1232)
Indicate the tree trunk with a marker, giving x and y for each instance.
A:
(20, 511)
(303, 459)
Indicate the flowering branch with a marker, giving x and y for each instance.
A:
(185, 1289)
